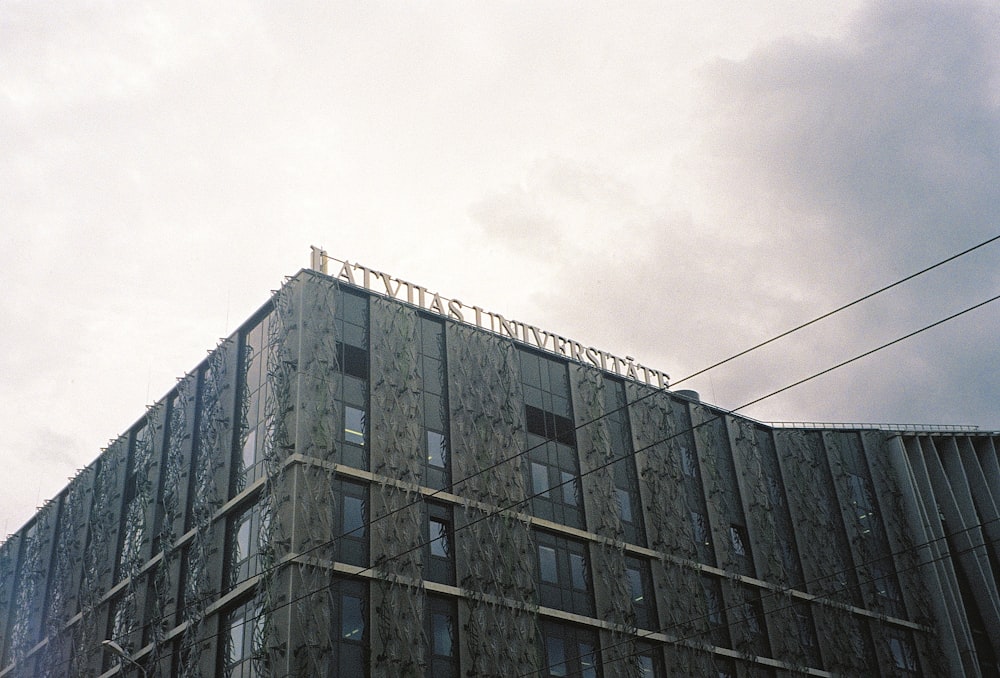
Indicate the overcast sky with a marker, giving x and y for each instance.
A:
(673, 181)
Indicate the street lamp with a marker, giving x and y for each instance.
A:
(117, 650)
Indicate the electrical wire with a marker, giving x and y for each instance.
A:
(655, 391)
(513, 506)
(757, 400)
(510, 507)
(838, 310)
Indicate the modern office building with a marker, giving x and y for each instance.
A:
(369, 479)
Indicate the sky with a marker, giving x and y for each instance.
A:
(674, 181)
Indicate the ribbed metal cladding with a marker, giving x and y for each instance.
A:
(952, 504)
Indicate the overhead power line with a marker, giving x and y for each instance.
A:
(838, 310)
(655, 391)
(500, 510)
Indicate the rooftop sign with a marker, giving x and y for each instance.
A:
(385, 285)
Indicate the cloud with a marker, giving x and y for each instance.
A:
(892, 134)
(833, 167)
(882, 151)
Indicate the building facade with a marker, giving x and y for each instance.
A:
(360, 484)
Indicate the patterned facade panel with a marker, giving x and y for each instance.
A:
(99, 557)
(487, 416)
(201, 563)
(500, 641)
(596, 456)
(61, 597)
(699, 617)
(904, 548)
(10, 552)
(216, 433)
(299, 635)
(396, 403)
(31, 583)
(792, 630)
(494, 552)
(826, 561)
(846, 642)
(722, 492)
(685, 660)
(178, 462)
(601, 502)
(864, 523)
(305, 364)
(763, 516)
(784, 546)
(304, 625)
(396, 518)
(662, 441)
(604, 511)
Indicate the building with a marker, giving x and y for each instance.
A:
(370, 479)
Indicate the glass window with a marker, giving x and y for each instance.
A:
(547, 564)
(578, 571)
(439, 539)
(442, 630)
(650, 661)
(353, 360)
(569, 651)
(737, 536)
(624, 504)
(435, 402)
(539, 479)
(553, 462)
(349, 603)
(439, 555)
(437, 449)
(640, 582)
(555, 482)
(255, 391)
(354, 515)
(352, 619)
(441, 621)
(570, 488)
(903, 655)
(563, 574)
(714, 613)
(354, 425)
(248, 532)
(351, 522)
(351, 377)
(243, 653)
(623, 469)
(555, 648)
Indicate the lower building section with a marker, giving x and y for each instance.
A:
(353, 486)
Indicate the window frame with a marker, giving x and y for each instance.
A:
(570, 587)
(240, 566)
(355, 641)
(441, 665)
(645, 611)
(352, 540)
(438, 568)
(580, 651)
